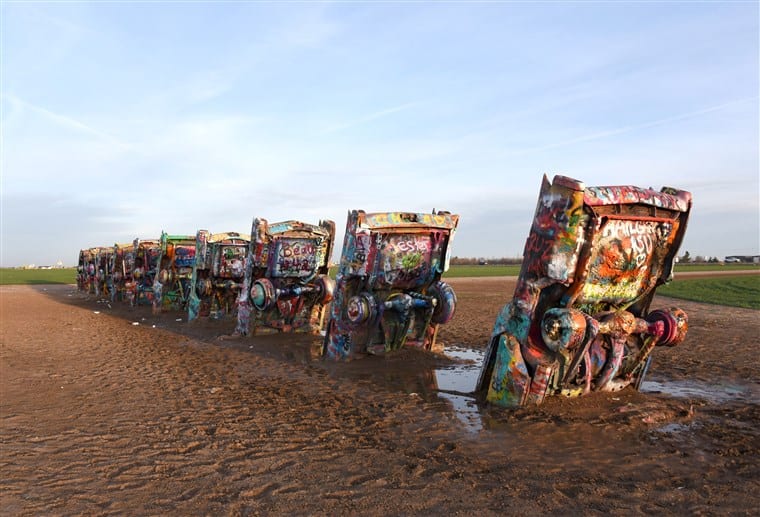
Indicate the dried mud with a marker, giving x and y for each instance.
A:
(111, 410)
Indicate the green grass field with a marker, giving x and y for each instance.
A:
(475, 271)
(734, 291)
(11, 276)
(716, 267)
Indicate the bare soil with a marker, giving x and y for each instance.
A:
(112, 410)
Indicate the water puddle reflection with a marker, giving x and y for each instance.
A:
(456, 384)
(711, 392)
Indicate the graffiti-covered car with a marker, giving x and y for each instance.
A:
(389, 291)
(86, 270)
(103, 262)
(580, 319)
(286, 284)
(147, 254)
(218, 274)
(122, 266)
(174, 271)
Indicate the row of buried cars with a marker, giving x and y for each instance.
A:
(579, 319)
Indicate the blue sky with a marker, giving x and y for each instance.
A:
(121, 119)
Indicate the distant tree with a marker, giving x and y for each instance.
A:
(685, 258)
(699, 259)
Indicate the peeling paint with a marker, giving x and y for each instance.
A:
(388, 289)
(579, 318)
(286, 286)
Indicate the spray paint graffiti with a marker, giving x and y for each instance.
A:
(121, 271)
(173, 272)
(218, 274)
(94, 271)
(286, 287)
(579, 319)
(388, 288)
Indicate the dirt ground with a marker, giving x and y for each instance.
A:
(111, 410)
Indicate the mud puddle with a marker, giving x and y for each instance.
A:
(712, 392)
(456, 384)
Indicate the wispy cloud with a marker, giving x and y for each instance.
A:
(369, 118)
(63, 121)
(634, 127)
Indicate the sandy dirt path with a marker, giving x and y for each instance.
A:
(101, 416)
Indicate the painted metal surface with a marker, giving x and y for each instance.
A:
(286, 286)
(579, 319)
(388, 288)
(86, 269)
(98, 271)
(147, 255)
(218, 274)
(173, 272)
(120, 273)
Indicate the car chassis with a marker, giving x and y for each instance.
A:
(389, 292)
(579, 320)
(286, 284)
(218, 274)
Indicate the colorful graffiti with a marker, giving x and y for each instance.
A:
(86, 270)
(218, 274)
(388, 288)
(579, 318)
(286, 287)
(174, 269)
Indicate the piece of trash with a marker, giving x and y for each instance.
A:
(250, 346)
(135, 323)
(143, 319)
(214, 390)
(413, 394)
(109, 305)
(615, 398)
(178, 319)
(96, 312)
(154, 326)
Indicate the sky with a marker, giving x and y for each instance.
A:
(123, 119)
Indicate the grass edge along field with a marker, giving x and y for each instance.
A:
(734, 291)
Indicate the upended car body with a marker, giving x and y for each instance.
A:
(86, 270)
(103, 261)
(174, 271)
(286, 284)
(147, 255)
(580, 316)
(122, 267)
(133, 270)
(218, 274)
(389, 292)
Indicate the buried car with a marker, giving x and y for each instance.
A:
(147, 254)
(388, 288)
(174, 271)
(286, 285)
(218, 273)
(579, 319)
(103, 262)
(122, 267)
(86, 270)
